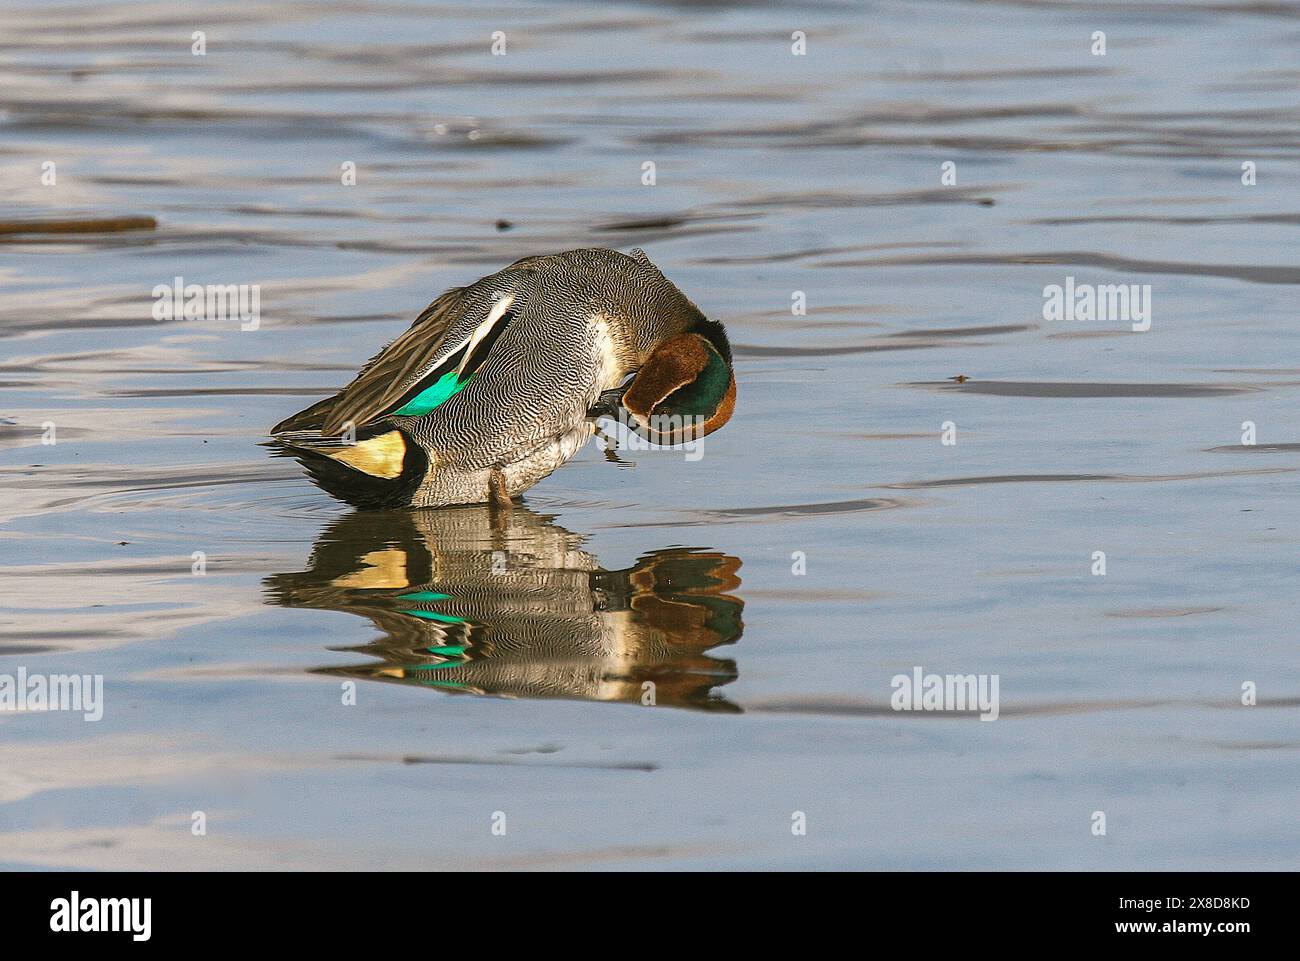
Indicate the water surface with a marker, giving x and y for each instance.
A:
(500, 664)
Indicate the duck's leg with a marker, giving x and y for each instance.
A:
(498, 498)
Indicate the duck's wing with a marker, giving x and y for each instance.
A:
(382, 382)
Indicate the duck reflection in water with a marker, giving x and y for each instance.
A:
(507, 603)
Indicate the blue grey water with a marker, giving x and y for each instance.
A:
(827, 541)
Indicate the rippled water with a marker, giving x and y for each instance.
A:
(775, 174)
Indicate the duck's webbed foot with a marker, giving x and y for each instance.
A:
(608, 404)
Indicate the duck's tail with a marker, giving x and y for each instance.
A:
(380, 469)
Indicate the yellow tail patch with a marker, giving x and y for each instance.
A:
(379, 456)
(382, 569)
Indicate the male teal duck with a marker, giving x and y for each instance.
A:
(508, 603)
(497, 384)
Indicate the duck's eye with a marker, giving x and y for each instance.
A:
(686, 381)
(702, 396)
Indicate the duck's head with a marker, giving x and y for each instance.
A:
(686, 388)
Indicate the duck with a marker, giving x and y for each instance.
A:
(472, 601)
(499, 383)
